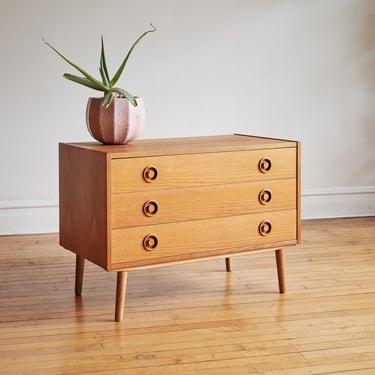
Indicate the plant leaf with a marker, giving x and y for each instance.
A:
(122, 66)
(103, 66)
(87, 75)
(108, 97)
(125, 94)
(104, 77)
(85, 82)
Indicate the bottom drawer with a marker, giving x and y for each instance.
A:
(172, 242)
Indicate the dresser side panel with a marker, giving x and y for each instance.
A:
(83, 203)
(298, 195)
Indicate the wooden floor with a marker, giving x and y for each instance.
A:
(194, 318)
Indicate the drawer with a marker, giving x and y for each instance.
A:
(163, 206)
(193, 239)
(188, 170)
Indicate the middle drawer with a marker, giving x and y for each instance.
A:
(164, 206)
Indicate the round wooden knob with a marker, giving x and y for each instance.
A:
(150, 173)
(150, 208)
(265, 165)
(150, 242)
(265, 196)
(265, 228)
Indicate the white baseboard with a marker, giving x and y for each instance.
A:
(338, 202)
(42, 216)
(29, 217)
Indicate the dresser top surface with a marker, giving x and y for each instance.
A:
(173, 146)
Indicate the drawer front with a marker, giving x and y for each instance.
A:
(163, 206)
(171, 242)
(181, 171)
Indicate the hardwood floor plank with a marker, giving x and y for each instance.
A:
(194, 317)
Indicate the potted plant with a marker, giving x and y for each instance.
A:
(117, 117)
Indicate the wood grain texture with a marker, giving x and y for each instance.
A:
(122, 277)
(212, 201)
(183, 145)
(199, 238)
(211, 168)
(80, 268)
(298, 193)
(124, 209)
(280, 264)
(194, 317)
(201, 178)
(83, 197)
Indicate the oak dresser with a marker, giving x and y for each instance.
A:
(158, 202)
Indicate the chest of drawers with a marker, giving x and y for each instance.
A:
(158, 202)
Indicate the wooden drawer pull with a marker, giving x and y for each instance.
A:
(265, 165)
(150, 208)
(150, 242)
(150, 173)
(265, 228)
(265, 196)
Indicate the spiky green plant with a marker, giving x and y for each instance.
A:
(107, 85)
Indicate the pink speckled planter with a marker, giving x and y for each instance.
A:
(120, 123)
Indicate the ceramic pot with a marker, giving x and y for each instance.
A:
(120, 123)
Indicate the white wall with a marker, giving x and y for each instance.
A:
(297, 69)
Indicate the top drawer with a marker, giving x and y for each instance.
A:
(174, 171)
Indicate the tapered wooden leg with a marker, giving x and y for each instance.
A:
(280, 269)
(80, 266)
(228, 264)
(120, 295)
